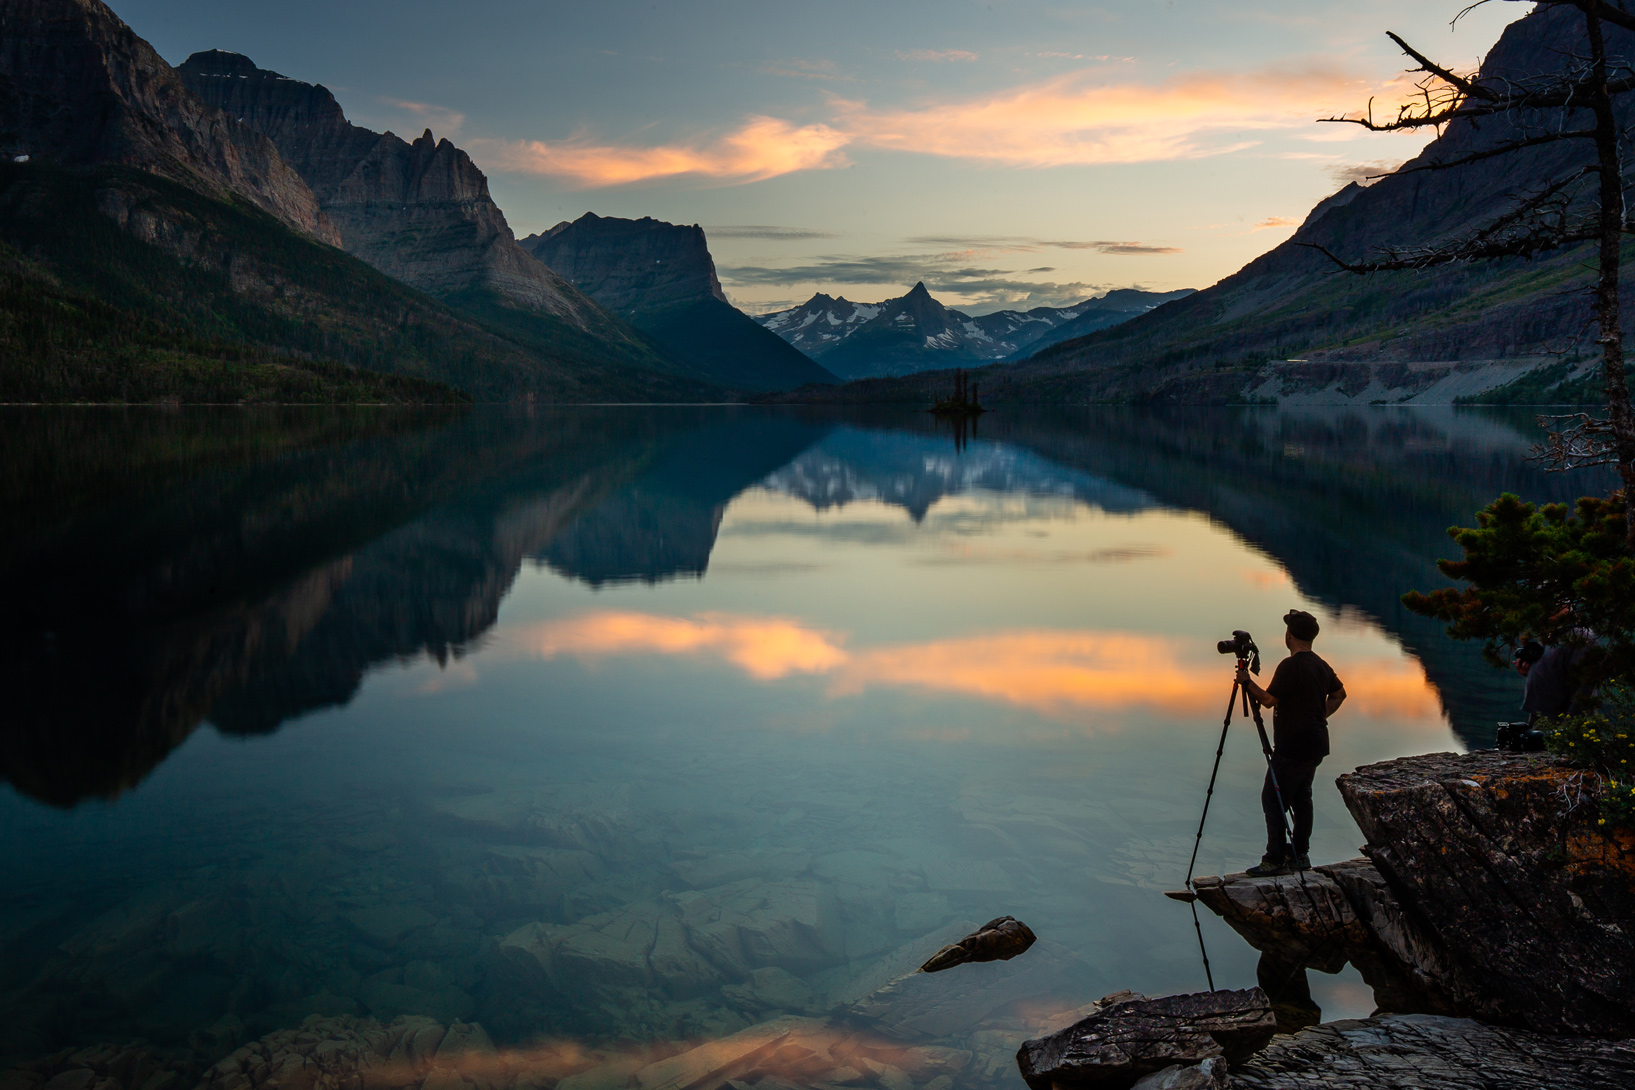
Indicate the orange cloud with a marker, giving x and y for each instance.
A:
(1047, 671)
(762, 147)
(1078, 119)
(1050, 671)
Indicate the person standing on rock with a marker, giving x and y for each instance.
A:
(1304, 692)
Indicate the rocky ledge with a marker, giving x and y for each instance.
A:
(1493, 915)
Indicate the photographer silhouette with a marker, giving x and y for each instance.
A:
(1304, 692)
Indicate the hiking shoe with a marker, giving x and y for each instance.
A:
(1302, 861)
(1269, 868)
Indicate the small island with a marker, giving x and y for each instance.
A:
(963, 403)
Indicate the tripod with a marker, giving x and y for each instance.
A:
(1251, 708)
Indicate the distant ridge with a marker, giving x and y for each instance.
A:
(917, 333)
(661, 278)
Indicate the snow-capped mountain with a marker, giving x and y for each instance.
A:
(917, 333)
(820, 323)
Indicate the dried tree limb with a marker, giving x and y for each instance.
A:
(1501, 149)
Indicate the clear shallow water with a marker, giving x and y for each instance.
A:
(618, 729)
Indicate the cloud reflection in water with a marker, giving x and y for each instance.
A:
(1050, 671)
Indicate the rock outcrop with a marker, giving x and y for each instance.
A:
(79, 88)
(630, 265)
(1500, 866)
(660, 277)
(419, 212)
(1490, 890)
(1131, 1036)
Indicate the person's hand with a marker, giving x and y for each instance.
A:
(1243, 675)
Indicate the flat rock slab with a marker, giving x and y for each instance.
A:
(1429, 1052)
(1305, 918)
(1132, 1036)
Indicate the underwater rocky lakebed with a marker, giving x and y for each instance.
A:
(615, 732)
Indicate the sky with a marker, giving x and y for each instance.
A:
(1011, 154)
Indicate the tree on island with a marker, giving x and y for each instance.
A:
(1562, 575)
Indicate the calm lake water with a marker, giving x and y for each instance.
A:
(615, 730)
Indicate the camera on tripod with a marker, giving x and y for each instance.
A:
(1243, 646)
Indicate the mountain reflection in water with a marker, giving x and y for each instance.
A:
(841, 683)
(254, 591)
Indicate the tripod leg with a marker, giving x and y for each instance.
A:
(1226, 724)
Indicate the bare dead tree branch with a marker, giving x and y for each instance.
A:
(1587, 444)
(1500, 149)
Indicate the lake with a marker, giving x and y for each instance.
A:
(619, 730)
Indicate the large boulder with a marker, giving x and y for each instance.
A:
(1504, 875)
(1131, 1036)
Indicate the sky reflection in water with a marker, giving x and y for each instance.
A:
(691, 722)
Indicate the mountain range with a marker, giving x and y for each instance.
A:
(915, 332)
(221, 232)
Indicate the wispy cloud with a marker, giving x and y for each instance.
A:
(440, 119)
(1077, 118)
(1024, 244)
(777, 234)
(761, 148)
(802, 69)
(935, 55)
(1273, 222)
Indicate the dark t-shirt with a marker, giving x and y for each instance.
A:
(1302, 684)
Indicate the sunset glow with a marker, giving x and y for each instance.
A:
(1072, 119)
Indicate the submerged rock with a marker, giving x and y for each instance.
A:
(1409, 1052)
(1131, 1036)
(996, 940)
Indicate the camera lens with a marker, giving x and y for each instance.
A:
(1227, 647)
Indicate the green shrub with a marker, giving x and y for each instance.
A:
(1603, 740)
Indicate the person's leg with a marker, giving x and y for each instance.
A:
(1295, 777)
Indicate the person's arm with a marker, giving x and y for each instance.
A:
(1260, 696)
(1335, 699)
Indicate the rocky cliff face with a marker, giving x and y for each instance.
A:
(420, 211)
(1499, 862)
(79, 88)
(630, 265)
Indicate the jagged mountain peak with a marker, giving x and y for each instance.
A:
(82, 89)
(445, 235)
